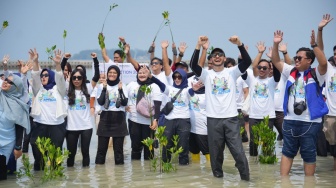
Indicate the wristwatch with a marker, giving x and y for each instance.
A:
(314, 45)
(17, 147)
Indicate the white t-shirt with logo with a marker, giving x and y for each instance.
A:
(261, 97)
(220, 92)
(240, 98)
(133, 89)
(113, 94)
(79, 117)
(167, 81)
(330, 89)
(298, 89)
(198, 118)
(181, 104)
(279, 94)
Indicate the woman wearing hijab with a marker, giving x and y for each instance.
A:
(48, 108)
(139, 125)
(14, 116)
(178, 120)
(112, 122)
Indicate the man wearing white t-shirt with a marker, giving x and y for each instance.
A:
(221, 108)
(303, 105)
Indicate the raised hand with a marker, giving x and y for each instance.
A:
(122, 40)
(261, 47)
(33, 55)
(183, 46)
(93, 55)
(325, 20)
(25, 67)
(5, 59)
(196, 86)
(67, 55)
(235, 40)
(206, 45)
(127, 48)
(146, 71)
(120, 85)
(269, 54)
(164, 44)
(278, 36)
(312, 38)
(202, 40)
(58, 57)
(283, 47)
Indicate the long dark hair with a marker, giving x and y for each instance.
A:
(71, 91)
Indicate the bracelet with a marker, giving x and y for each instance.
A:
(180, 54)
(284, 53)
(314, 45)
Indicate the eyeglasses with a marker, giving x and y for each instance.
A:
(262, 68)
(154, 63)
(299, 58)
(44, 75)
(177, 77)
(219, 54)
(77, 77)
(9, 82)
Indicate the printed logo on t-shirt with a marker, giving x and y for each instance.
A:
(220, 86)
(113, 96)
(298, 90)
(178, 101)
(30, 96)
(79, 104)
(47, 96)
(134, 94)
(332, 84)
(194, 103)
(260, 91)
(277, 90)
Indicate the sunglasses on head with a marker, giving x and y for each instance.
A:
(44, 75)
(154, 63)
(299, 58)
(177, 77)
(262, 68)
(219, 54)
(9, 81)
(77, 77)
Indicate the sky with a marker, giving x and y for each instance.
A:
(40, 24)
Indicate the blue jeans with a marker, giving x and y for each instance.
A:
(300, 135)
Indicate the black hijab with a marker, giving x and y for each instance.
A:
(117, 80)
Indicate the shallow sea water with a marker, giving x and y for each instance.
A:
(138, 174)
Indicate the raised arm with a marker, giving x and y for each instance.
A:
(322, 60)
(275, 51)
(195, 67)
(152, 51)
(245, 56)
(283, 49)
(5, 61)
(183, 46)
(103, 51)
(166, 67)
(261, 48)
(59, 79)
(96, 75)
(325, 20)
(202, 59)
(130, 59)
(174, 50)
(65, 60)
(33, 57)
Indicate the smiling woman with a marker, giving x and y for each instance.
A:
(10, 124)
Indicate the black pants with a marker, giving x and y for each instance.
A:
(180, 127)
(26, 138)
(139, 132)
(223, 131)
(198, 143)
(55, 132)
(118, 148)
(72, 140)
(279, 118)
(253, 146)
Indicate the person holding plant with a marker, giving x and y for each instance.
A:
(303, 105)
(112, 122)
(11, 125)
(118, 55)
(221, 108)
(48, 108)
(79, 119)
(139, 124)
(261, 91)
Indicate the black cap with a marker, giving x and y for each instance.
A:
(217, 50)
(182, 63)
(2, 75)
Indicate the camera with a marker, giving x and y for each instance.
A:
(299, 107)
(118, 102)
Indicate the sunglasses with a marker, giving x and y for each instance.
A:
(77, 77)
(154, 63)
(44, 75)
(299, 58)
(9, 82)
(219, 54)
(262, 68)
(177, 77)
